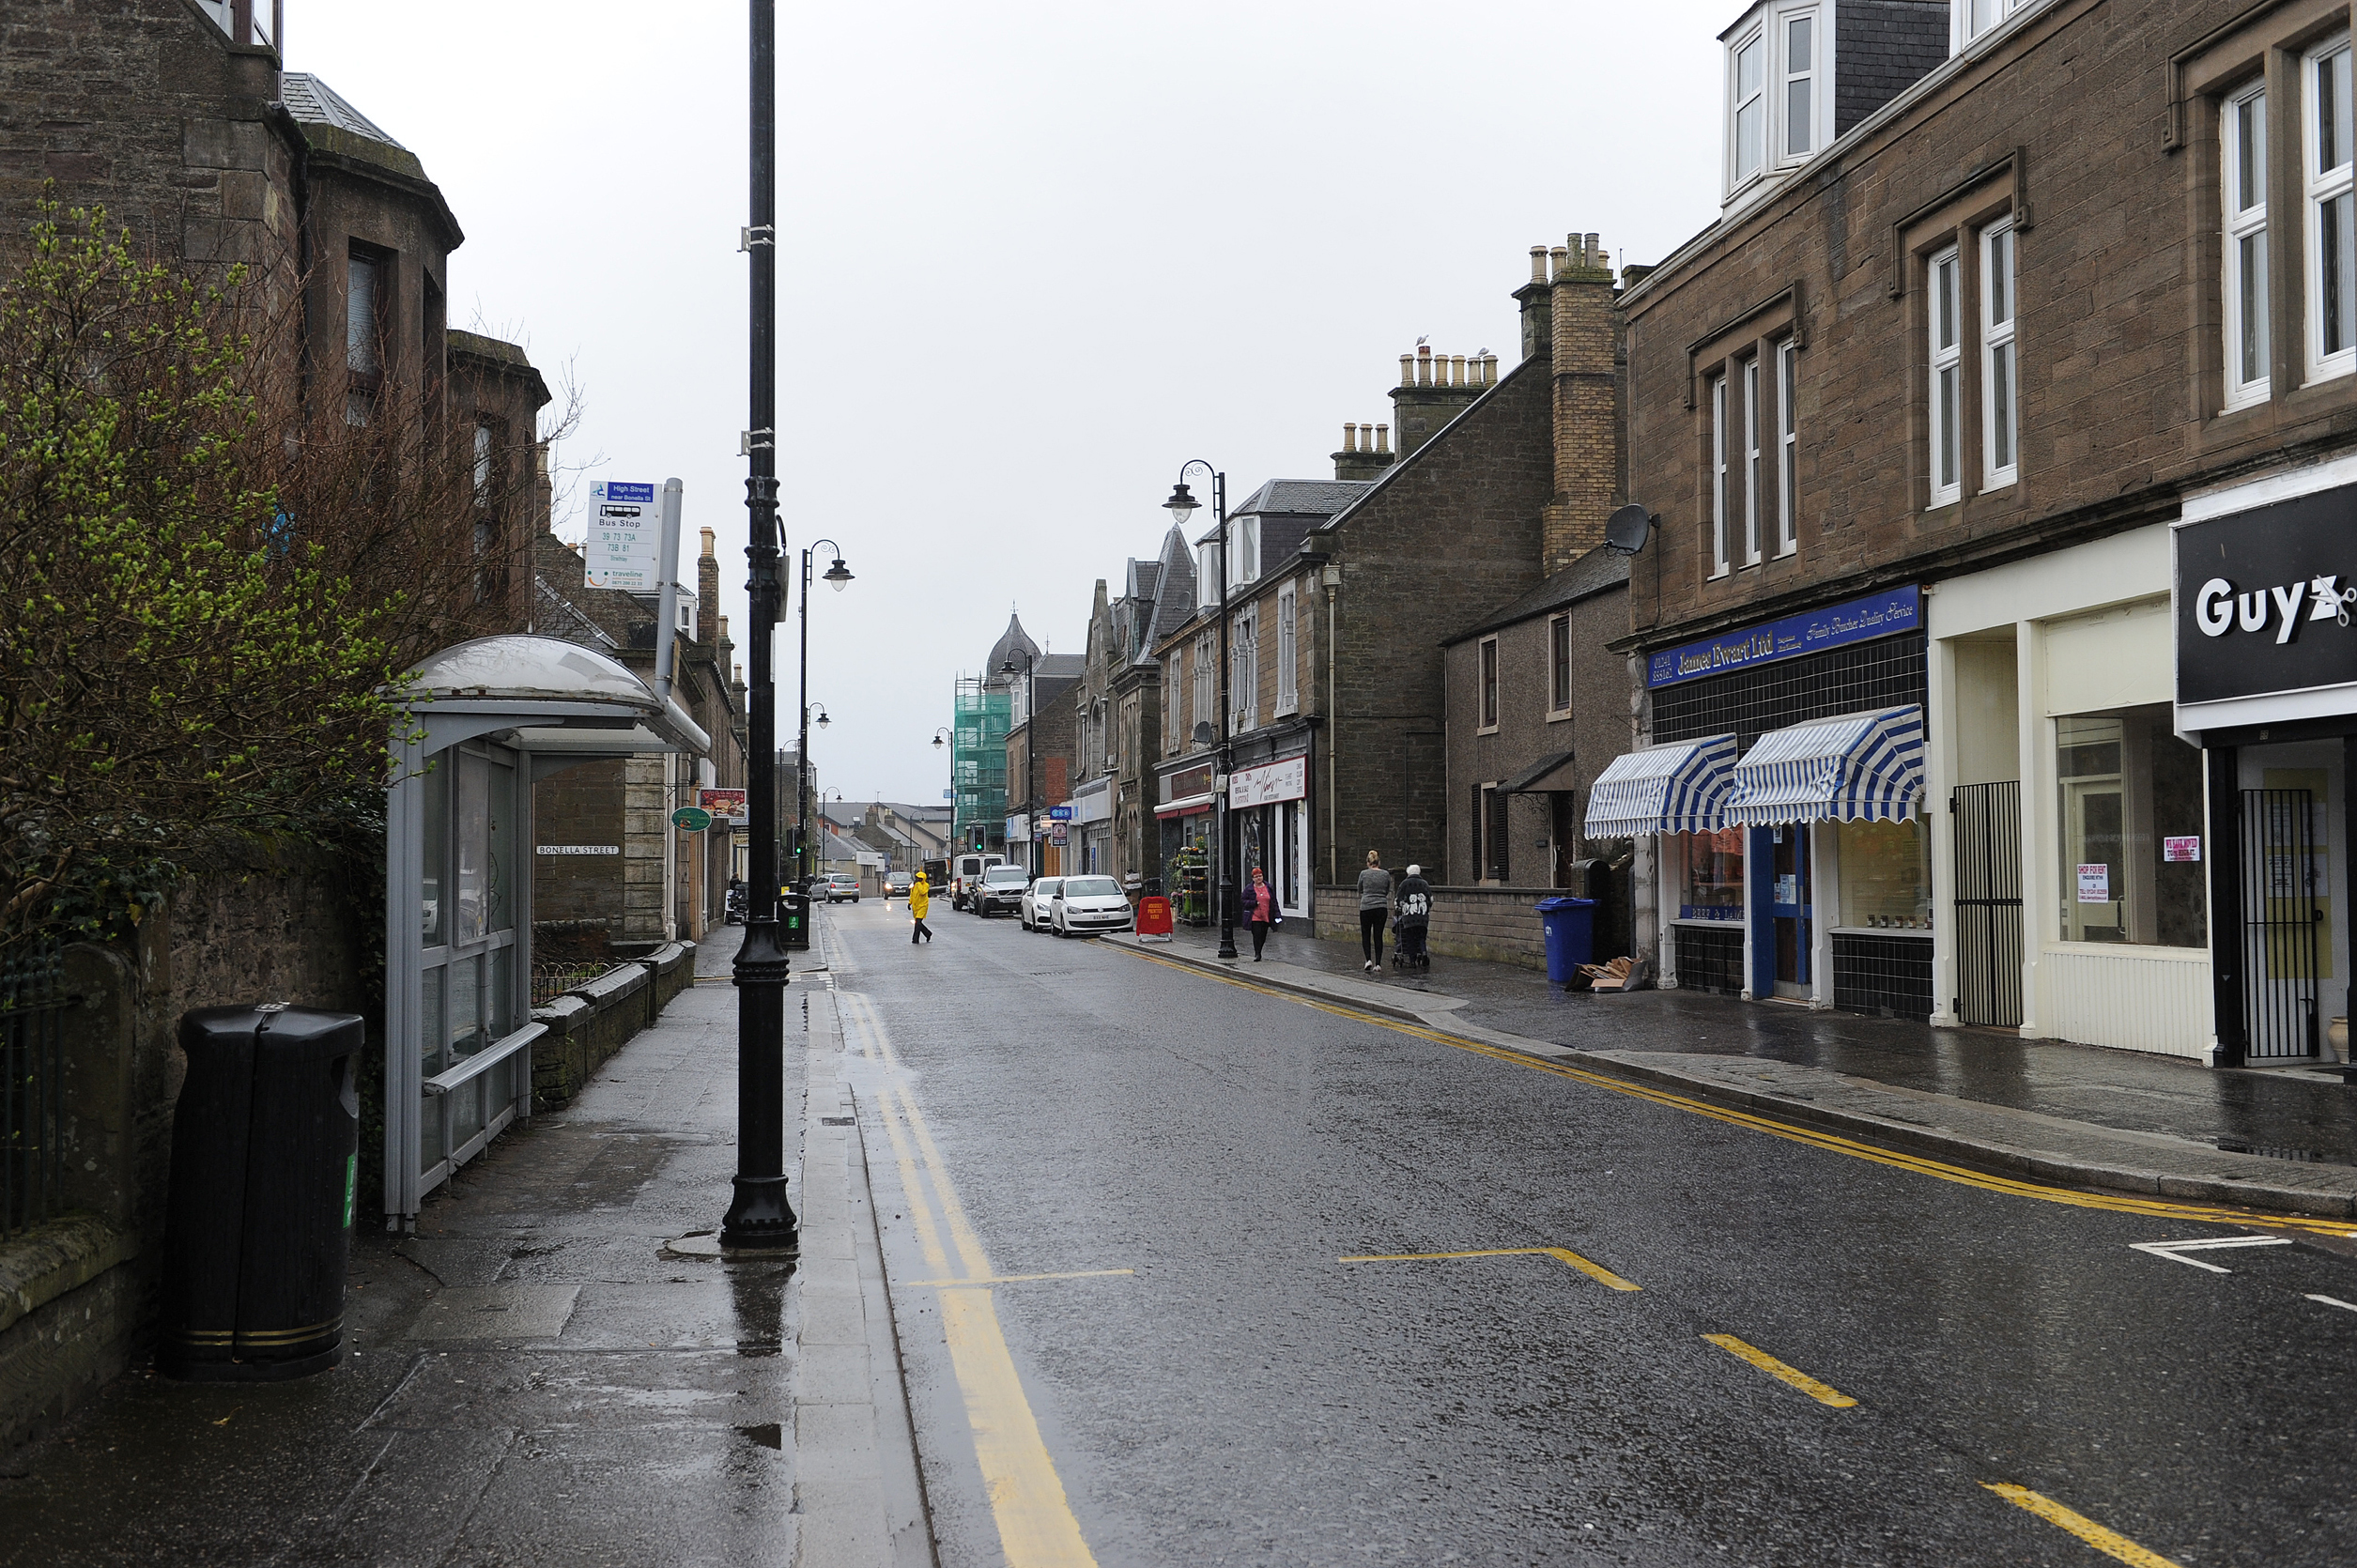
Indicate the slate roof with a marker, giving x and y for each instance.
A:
(1319, 498)
(312, 101)
(1591, 573)
(1174, 593)
(1013, 639)
(1062, 667)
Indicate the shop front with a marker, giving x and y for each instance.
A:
(2073, 904)
(1269, 805)
(1783, 792)
(2266, 664)
(1091, 831)
(1185, 820)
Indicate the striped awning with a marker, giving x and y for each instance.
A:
(1678, 787)
(1867, 767)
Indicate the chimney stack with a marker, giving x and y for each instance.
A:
(1538, 302)
(1584, 332)
(707, 594)
(1360, 458)
(1433, 389)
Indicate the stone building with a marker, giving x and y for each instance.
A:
(1156, 595)
(2011, 325)
(1038, 756)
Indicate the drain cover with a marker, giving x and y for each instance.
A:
(836, 1121)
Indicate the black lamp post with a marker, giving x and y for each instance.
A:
(1030, 752)
(759, 1214)
(837, 577)
(1182, 505)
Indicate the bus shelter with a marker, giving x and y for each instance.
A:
(489, 718)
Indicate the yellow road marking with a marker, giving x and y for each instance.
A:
(1595, 1272)
(1824, 1393)
(1019, 1279)
(2106, 1541)
(2158, 1208)
(1036, 1525)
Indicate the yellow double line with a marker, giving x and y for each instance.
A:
(1036, 1526)
(2122, 1203)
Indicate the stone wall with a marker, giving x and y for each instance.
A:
(1497, 925)
(593, 1020)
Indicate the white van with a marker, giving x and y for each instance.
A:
(965, 874)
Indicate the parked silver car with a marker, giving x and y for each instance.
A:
(839, 885)
(1000, 891)
(1086, 905)
(1034, 908)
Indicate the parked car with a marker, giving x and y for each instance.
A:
(1000, 891)
(1086, 905)
(1034, 908)
(969, 876)
(838, 885)
(898, 884)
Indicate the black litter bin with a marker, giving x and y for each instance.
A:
(265, 1146)
(794, 922)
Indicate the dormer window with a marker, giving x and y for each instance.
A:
(1976, 18)
(1780, 109)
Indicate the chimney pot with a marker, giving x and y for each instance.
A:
(1538, 264)
(1595, 251)
(1561, 256)
(1457, 370)
(1406, 370)
(1349, 438)
(1383, 438)
(707, 533)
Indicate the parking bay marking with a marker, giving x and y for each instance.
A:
(2175, 1251)
(1824, 1393)
(2109, 1542)
(1595, 1272)
(1937, 1169)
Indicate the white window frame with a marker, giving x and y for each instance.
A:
(1752, 461)
(1488, 702)
(1737, 174)
(2243, 275)
(2323, 187)
(2000, 358)
(1559, 669)
(1787, 448)
(1809, 77)
(1243, 538)
(1206, 574)
(1243, 688)
(1944, 305)
(1971, 21)
(1719, 475)
(1288, 651)
(1207, 695)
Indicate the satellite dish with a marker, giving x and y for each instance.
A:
(1626, 531)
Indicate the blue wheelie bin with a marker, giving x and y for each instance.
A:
(1570, 925)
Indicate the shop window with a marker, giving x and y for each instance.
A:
(2131, 805)
(1886, 876)
(1708, 872)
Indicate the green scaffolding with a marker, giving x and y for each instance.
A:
(978, 762)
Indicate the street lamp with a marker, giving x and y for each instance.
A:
(838, 576)
(1182, 506)
(1030, 751)
(759, 1214)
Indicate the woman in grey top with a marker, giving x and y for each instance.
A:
(1374, 900)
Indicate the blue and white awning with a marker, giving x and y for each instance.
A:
(1678, 787)
(1867, 767)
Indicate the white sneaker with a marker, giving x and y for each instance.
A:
(1370, 966)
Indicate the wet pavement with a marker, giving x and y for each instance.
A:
(1204, 1228)
(2293, 1115)
(531, 1379)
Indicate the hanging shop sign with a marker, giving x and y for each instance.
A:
(1270, 784)
(1885, 614)
(2266, 598)
(691, 818)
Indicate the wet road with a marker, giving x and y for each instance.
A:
(1826, 1356)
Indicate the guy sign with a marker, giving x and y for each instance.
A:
(626, 537)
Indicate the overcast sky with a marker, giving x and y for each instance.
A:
(1034, 256)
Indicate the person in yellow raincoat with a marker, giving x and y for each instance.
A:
(920, 900)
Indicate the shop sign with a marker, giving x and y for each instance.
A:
(1059, 813)
(1884, 614)
(1270, 784)
(2264, 598)
(691, 818)
(1196, 780)
(1710, 912)
(1057, 832)
(2095, 883)
(726, 806)
(2181, 850)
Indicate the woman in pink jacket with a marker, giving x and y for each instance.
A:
(1260, 908)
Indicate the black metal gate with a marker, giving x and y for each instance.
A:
(2280, 917)
(32, 1087)
(1988, 903)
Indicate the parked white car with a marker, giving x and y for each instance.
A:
(1034, 908)
(1085, 906)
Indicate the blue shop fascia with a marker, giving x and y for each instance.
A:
(1781, 788)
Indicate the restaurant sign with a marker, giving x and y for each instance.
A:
(1885, 614)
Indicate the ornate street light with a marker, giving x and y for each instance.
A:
(1182, 505)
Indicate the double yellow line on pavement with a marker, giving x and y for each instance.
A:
(1036, 1526)
(2121, 1203)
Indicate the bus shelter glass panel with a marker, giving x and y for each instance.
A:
(468, 999)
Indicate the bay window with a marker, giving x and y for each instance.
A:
(1800, 83)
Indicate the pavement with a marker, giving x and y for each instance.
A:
(2274, 1139)
(547, 1373)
